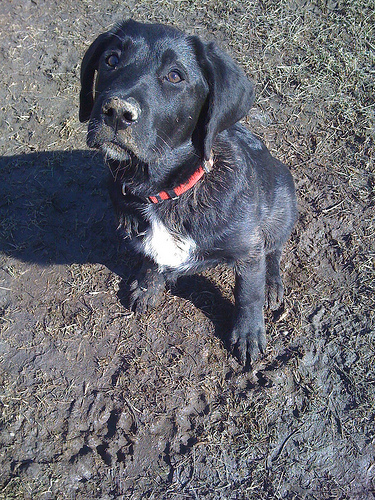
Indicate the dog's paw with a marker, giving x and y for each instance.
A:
(274, 294)
(144, 296)
(146, 290)
(248, 343)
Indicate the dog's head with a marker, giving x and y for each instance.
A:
(151, 91)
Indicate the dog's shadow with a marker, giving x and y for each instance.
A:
(55, 209)
(207, 297)
(199, 291)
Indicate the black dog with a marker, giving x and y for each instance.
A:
(191, 186)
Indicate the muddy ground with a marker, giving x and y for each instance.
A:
(97, 402)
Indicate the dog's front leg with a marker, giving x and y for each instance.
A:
(248, 338)
(147, 288)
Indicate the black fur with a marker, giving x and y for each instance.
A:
(161, 103)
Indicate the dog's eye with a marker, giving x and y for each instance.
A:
(174, 77)
(112, 60)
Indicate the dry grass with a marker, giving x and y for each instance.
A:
(282, 431)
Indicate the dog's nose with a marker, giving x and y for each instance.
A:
(120, 113)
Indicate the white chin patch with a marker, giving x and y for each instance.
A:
(114, 152)
(167, 249)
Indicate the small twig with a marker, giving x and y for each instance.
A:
(277, 451)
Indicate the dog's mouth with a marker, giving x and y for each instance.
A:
(113, 145)
(115, 151)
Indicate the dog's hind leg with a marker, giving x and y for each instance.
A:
(274, 286)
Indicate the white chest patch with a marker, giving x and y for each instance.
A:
(165, 248)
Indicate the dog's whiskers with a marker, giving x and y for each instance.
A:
(164, 140)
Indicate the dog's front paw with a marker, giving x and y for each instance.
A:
(141, 298)
(247, 341)
(146, 291)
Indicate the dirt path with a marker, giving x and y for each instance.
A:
(99, 403)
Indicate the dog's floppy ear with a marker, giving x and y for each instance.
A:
(89, 66)
(231, 93)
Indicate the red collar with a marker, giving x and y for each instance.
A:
(172, 194)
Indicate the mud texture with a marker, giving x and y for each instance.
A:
(99, 403)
